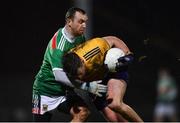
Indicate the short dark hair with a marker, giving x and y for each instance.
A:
(71, 62)
(71, 12)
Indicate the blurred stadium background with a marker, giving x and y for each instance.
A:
(150, 28)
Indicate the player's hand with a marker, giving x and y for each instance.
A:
(124, 61)
(95, 87)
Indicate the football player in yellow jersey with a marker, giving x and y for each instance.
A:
(86, 63)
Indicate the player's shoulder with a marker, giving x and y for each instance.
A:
(99, 41)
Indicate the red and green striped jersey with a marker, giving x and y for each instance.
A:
(45, 83)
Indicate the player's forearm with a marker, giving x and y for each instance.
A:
(120, 44)
(61, 77)
(94, 87)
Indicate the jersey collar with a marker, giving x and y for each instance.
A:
(69, 37)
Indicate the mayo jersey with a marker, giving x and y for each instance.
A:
(93, 53)
(45, 83)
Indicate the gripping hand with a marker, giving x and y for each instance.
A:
(95, 87)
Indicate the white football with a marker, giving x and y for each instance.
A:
(111, 58)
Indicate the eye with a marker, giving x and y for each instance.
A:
(81, 21)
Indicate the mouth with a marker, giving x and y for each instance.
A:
(81, 31)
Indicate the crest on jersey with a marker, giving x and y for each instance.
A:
(45, 107)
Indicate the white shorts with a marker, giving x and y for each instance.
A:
(42, 104)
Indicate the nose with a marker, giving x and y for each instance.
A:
(84, 25)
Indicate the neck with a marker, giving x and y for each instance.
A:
(68, 33)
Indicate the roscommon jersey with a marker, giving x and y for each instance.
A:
(93, 53)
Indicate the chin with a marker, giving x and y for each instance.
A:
(78, 34)
(81, 33)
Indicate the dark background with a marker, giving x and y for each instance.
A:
(150, 28)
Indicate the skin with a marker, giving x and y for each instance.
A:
(77, 25)
(80, 114)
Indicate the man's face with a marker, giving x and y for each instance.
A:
(81, 72)
(78, 24)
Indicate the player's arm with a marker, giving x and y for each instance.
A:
(118, 43)
(61, 76)
(93, 87)
(124, 61)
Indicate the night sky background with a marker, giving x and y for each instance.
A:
(150, 28)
